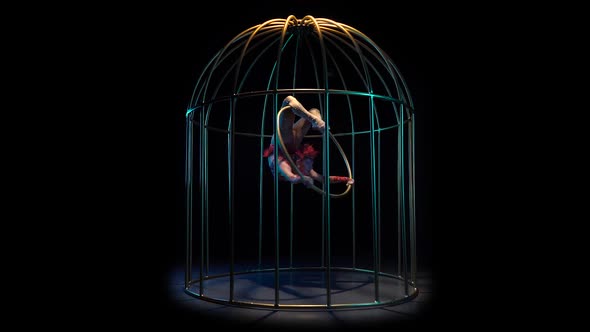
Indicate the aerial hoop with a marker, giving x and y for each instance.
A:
(294, 167)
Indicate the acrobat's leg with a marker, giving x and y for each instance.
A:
(286, 124)
(302, 126)
(315, 119)
(287, 172)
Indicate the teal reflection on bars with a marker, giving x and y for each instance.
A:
(348, 246)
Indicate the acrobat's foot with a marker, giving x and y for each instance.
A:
(313, 115)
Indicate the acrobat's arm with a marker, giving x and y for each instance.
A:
(333, 179)
(285, 170)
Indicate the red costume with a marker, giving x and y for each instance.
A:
(298, 157)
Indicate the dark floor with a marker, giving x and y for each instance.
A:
(412, 313)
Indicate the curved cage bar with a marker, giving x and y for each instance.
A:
(253, 240)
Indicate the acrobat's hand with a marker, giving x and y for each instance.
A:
(350, 181)
(307, 181)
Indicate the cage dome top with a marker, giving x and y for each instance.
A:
(303, 56)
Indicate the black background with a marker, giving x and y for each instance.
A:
(101, 146)
(131, 75)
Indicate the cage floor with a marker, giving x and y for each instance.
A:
(302, 287)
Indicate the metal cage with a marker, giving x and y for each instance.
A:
(255, 241)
